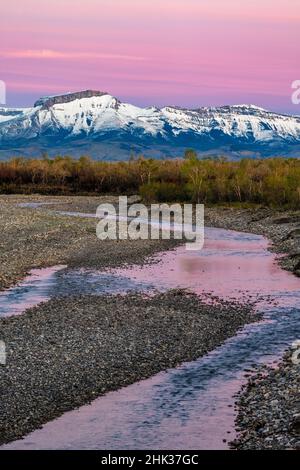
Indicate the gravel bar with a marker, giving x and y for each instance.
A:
(269, 409)
(66, 352)
(38, 238)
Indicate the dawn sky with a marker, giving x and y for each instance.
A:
(183, 52)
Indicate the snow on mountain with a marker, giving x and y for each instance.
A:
(87, 120)
(8, 114)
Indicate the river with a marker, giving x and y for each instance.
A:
(191, 406)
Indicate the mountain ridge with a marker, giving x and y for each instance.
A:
(96, 123)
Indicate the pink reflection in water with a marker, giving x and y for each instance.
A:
(31, 291)
(227, 268)
(135, 418)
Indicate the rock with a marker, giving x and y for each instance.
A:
(295, 425)
(49, 101)
(135, 199)
(294, 233)
(285, 220)
(269, 413)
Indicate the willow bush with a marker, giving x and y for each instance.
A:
(271, 181)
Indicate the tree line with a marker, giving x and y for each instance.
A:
(271, 181)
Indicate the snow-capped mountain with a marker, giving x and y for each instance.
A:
(98, 124)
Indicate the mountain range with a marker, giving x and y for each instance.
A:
(98, 124)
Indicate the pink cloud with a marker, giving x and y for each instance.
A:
(50, 54)
(171, 51)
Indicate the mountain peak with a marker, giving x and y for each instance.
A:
(248, 106)
(97, 123)
(48, 101)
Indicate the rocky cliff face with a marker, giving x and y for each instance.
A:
(49, 101)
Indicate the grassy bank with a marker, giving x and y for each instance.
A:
(271, 182)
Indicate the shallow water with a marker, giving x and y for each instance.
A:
(36, 205)
(191, 406)
(34, 289)
(44, 284)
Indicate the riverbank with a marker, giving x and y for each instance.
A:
(269, 409)
(282, 228)
(66, 352)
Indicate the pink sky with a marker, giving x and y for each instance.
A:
(184, 52)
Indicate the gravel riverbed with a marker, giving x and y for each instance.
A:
(63, 353)
(39, 237)
(269, 408)
(66, 352)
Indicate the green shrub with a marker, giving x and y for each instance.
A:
(163, 192)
